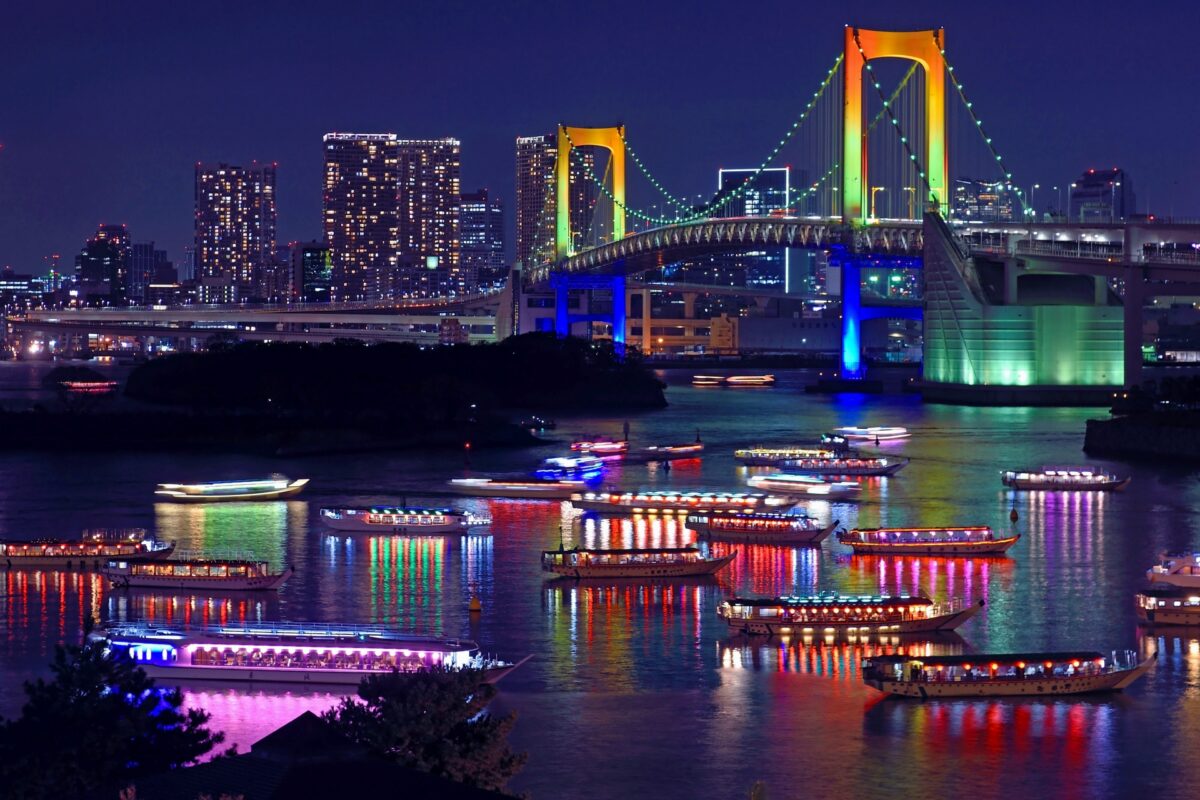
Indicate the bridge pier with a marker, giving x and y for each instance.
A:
(1135, 297)
(564, 284)
(851, 279)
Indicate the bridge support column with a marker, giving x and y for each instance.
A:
(563, 285)
(851, 320)
(1135, 294)
(647, 338)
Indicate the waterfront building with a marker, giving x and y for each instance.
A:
(361, 212)
(235, 228)
(537, 199)
(977, 200)
(312, 272)
(482, 237)
(102, 267)
(145, 261)
(1104, 195)
(429, 190)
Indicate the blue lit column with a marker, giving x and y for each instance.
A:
(618, 312)
(851, 320)
(562, 297)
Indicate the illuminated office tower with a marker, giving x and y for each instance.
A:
(482, 234)
(537, 200)
(361, 214)
(430, 186)
(1101, 195)
(235, 229)
(768, 193)
(102, 267)
(311, 270)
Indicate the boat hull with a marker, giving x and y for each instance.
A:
(786, 538)
(263, 583)
(695, 568)
(967, 549)
(321, 677)
(84, 563)
(1023, 687)
(1170, 579)
(771, 627)
(273, 494)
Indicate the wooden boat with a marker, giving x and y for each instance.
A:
(774, 456)
(1003, 675)
(670, 452)
(967, 540)
(218, 491)
(1168, 605)
(832, 612)
(312, 653)
(853, 466)
(1177, 569)
(1073, 479)
(525, 489)
(667, 562)
(87, 553)
(664, 502)
(804, 486)
(389, 519)
(760, 526)
(195, 573)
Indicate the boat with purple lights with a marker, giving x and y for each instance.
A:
(1069, 479)
(961, 540)
(760, 526)
(831, 612)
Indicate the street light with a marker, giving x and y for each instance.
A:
(875, 189)
(1068, 205)
(912, 197)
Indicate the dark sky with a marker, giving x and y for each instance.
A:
(106, 106)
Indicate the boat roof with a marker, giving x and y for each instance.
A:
(1168, 590)
(991, 658)
(748, 513)
(393, 510)
(665, 493)
(830, 600)
(299, 631)
(199, 561)
(630, 551)
(922, 530)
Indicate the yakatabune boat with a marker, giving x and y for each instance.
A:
(582, 467)
(224, 574)
(85, 553)
(388, 519)
(670, 452)
(831, 612)
(733, 381)
(1168, 605)
(1075, 479)
(856, 466)
(307, 653)
(667, 562)
(881, 433)
(601, 446)
(760, 526)
(526, 489)
(1177, 569)
(774, 456)
(806, 486)
(664, 502)
(215, 491)
(1007, 674)
(965, 540)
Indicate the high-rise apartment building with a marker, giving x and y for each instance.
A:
(361, 214)
(312, 272)
(102, 267)
(1101, 195)
(537, 197)
(430, 186)
(235, 228)
(482, 237)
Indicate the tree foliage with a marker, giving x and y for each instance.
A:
(435, 721)
(96, 724)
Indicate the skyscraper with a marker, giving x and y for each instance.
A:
(769, 192)
(482, 236)
(102, 267)
(144, 263)
(235, 228)
(1101, 195)
(361, 214)
(312, 270)
(430, 186)
(982, 200)
(537, 198)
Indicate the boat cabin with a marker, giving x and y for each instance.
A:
(985, 667)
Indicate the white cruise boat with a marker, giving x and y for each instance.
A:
(520, 489)
(217, 491)
(390, 519)
(1177, 569)
(804, 486)
(1073, 479)
(880, 433)
(220, 574)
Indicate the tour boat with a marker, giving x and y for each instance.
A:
(387, 519)
(805, 486)
(665, 502)
(1003, 675)
(831, 612)
(965, 540)
(228, 574)
(708, 380)
(537, 423)
(266, 489)
(670, 452)
(318, 653)
(880, 433)
(1076, 479)
(91, 551)
(733, 381)
(666, 562)
(527, 489)
(1168, 605)
(582, 467)
(856, 466)
(601, 446)
(1177, 569)
(760, 526)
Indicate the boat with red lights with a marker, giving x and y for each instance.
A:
(670, 452)
(226, 574)
(663, 562)
(1003, 674)
(1168, 605)
(1177, 569)
(963, 540)
(733, 381)
(394, 519)
(1073, 479)
(89, 552)
(218, 491)
(600, 446)
(881, 433)
(760, 526)
(320, 653)
(804, 486)
(521, 489)
(774, 456)
(830, 612)
(665, 502)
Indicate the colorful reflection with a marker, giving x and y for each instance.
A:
(405, 584)
(256, 530)
(827, 655)
(247, 715)
(190, 610)
(770, 570)
(623, 533)
(935, 577)
(42, 608)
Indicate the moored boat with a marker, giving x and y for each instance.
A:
(87, 553)
(216, 491)
(1074, 479)
(665, 502)
(1168, 605)
(321, 653)
(733, 381)
(525, 489)
(774, 456)
(389, 519)
(665, 562)
(1003, 675)
(760, 526)
(880, 433)
(832, 612)
(963, 540)
(227, 574)
(806, 486)
(1177, 569)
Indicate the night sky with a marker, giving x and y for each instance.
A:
(108, 105)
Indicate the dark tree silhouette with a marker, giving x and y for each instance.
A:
(435, 721)
(96, 724)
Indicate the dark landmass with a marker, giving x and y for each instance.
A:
(1161, 435)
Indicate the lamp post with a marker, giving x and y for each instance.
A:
(875, 189)
(1058, 209)
(912, 197)
(1069, 205)
(1033, 199)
